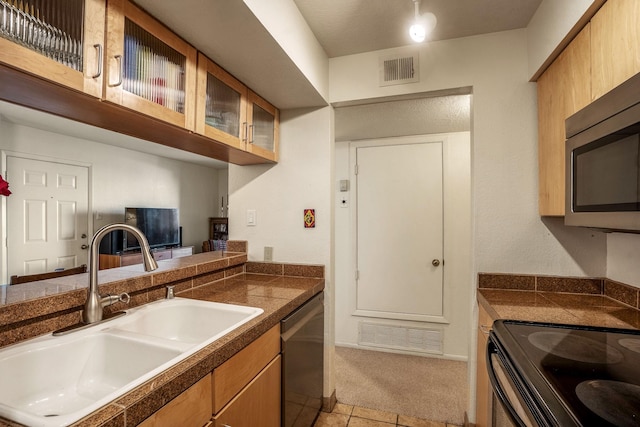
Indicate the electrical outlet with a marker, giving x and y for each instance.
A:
(268, 253)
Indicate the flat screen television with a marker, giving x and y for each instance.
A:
(161, 227)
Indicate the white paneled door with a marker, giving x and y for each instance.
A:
(399, 223)
(47, 215)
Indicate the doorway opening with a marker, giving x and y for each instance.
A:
(420, 149)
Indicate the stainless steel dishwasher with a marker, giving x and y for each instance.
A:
(302, 335)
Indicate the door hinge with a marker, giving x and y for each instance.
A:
(355, 169)
(357, 274)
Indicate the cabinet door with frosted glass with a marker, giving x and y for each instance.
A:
(58, 40)
(263, 129)
(221, 105)
(149, 69)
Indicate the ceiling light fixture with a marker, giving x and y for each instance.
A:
(422, 24)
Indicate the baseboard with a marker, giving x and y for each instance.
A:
(328, 403)
(454, 357)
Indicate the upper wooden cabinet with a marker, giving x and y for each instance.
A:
(563, 89)
(221, 108)
(149, 68)
(229, 112)
(603, 55)
(263, 128)
(59, 40)
(54, 53)
(615, 43)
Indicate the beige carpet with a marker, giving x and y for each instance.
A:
(421, 387)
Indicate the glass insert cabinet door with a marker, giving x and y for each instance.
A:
(59, 40)
(221, 111)
(263, 129)
(149, 68)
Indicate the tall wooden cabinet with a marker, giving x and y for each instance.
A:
(563, 89)
(615, 45)
(602, 56)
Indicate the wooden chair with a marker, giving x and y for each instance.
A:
(50, 275)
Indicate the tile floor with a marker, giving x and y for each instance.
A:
(355, 416)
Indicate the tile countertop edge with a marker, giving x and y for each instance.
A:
(554, 307)
(138, 404)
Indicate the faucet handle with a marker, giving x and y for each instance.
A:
(112, 299)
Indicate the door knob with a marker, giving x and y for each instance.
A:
(84, 246)
(435, 262)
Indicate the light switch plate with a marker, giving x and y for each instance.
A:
(251, 217)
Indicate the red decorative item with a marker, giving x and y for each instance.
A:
(4, 187)
(309, 218)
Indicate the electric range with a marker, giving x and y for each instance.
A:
(565, 375)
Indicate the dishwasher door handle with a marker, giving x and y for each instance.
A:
(299, 324)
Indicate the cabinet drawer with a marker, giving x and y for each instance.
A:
(190, 408)
(234, 374)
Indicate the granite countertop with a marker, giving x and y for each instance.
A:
(558, 307)
(277, 295)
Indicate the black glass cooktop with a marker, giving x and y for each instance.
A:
(594, 373)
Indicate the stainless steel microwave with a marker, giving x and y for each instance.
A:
(603, 161)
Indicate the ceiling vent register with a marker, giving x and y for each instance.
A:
(399, 69)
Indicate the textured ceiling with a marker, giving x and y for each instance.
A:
(345, 27)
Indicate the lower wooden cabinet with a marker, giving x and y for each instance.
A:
(243, 391)
(190, 408)
(258, 404)
(484, 410)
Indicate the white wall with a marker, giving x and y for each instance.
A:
(509, 236)
(548, 27)
(622, 258)
(287, 26)
(280, 193)
(303, 178)
(121, 177)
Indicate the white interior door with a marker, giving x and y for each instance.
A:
(399, 227)
(47, 215)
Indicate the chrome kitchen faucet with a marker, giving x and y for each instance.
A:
(92, 312)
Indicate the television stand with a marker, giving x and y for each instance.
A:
(135, 257)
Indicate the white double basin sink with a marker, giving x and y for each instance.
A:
(57, 380)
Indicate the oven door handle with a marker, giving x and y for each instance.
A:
(497, 387)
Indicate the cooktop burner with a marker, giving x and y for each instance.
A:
(589, 374)
(615, 401)
(632, 344)
(575, 347)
